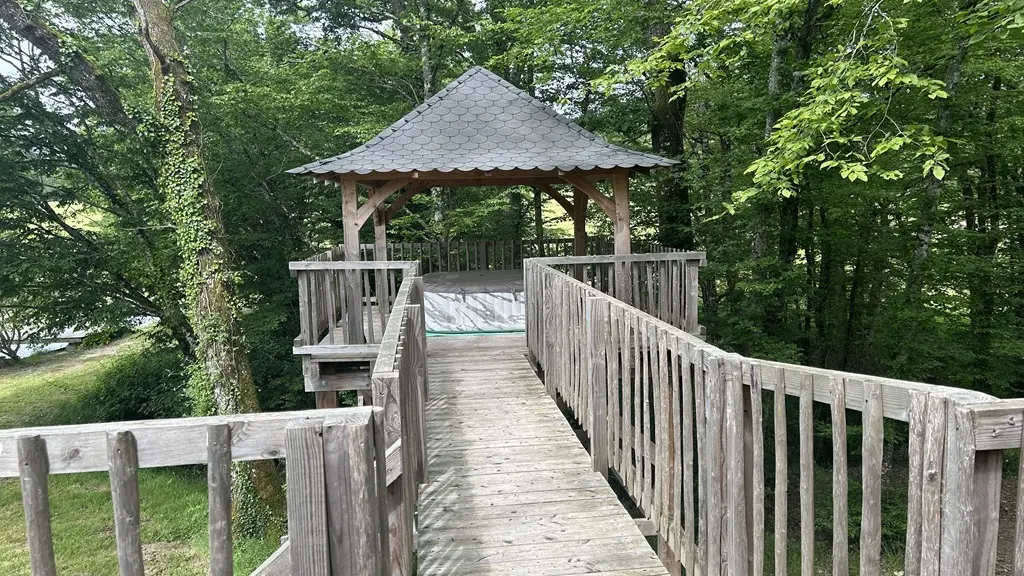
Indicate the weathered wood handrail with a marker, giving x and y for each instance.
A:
(680, 423)
(397, 380)
(335, 476)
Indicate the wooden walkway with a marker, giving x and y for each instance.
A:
(511, 489)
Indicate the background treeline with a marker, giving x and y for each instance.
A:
(855, 170)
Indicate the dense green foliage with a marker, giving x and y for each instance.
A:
(852, 168)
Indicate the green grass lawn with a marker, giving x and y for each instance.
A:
(47, 390)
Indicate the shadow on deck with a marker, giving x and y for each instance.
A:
(511, 489)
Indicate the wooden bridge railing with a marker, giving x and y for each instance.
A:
(662, 284)
(463, 255)
(396, 378)
(333, 463)
(683, 427)
(400, 388)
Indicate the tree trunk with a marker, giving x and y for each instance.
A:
(79, 69)
(668, 134)
(933, 189)
(206, 272)
(987, 221)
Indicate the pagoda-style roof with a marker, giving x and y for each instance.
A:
(478, 123)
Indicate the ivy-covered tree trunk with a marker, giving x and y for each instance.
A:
(223, 373)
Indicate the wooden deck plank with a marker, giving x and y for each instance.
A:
(512, 491)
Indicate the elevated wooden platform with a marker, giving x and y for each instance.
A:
(511, 489)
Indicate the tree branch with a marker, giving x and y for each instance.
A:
(25, 85)
(73, 63)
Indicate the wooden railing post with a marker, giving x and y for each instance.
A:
(596, 313)
(35, 496)
(123, 458)
(351, 498)
(218, 480)
(307, 506)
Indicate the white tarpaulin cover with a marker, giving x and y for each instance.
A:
(474, 301)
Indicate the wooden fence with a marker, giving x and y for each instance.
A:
(396, 354)
(336, 483)
(464, 255)
(683, 427)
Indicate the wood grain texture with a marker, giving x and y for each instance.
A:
(807, 477)
(218, 483)
(781, 448)
(871, 482)
(35, 498)
(123, 456)
(307, 508)
(171, 442)
(501, 500)
(352, 503)
(840, 481)
(932, 467)
(757, 530)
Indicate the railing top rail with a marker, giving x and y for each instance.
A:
(617, 258)
(171, 442)
(895, 393)
(387, 355)
(353, 265)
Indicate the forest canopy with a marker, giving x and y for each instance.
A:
(853, 169)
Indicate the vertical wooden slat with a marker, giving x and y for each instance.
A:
(781, 475)
(307, 509)
(715, 463)
(35, 497)
(691, 324)
(931, 484)
(957, 493)
(218, 474)
(597, 322)
(915, 450)
(807, 476)
(840, 472)
(1018, 540)
(639, 440)
(987, 478)
(685, 472)
(757, 474)
(351, 498)
(123, 459)
(656, 434)
(628, 396)
(736, 502)
(871, 472)
(699, 409)
(666, 438)
(614, 390)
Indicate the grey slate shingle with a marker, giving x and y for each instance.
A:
(481, 122)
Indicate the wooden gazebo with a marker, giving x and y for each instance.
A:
(482, 131)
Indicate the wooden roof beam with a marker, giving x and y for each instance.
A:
(606, 204)
(564, 202)
(377, 197)
(397, 204)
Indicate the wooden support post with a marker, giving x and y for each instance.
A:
(218, 473)
(327, 399)
(123, 459)
(597, 333)
(35, 496)
(579, 230)
(353, 289)
(620, 225)
(352, 503)
(380, 235)
(307, 507)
